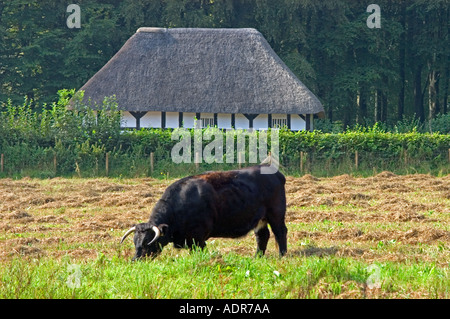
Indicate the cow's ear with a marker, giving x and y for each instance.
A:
(163, 228)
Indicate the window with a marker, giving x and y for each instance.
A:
(279, 122)
(207, 121)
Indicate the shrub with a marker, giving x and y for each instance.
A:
(441, 124)
(81, 137)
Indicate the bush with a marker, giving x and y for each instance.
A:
(441, 124)
(81, 137)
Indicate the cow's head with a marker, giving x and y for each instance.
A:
(148, 239)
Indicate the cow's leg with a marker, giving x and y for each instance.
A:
(280, 232)
(275, 217)
(262, 237)
(279, 229)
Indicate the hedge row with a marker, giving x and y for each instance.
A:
(322, 153)
(57, 141)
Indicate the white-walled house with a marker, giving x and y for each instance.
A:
(295, 122)
(229, 78)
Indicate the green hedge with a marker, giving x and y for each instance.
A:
(377, 150)
(79, 139)
(324, 154)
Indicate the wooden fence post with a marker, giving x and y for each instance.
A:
(54, 162)
(301, 161)
(240, 159)
(77, 169)
(197, 160)
(107, 163)
(356, 160)
(152, 158)
(2, 160)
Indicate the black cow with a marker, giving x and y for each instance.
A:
(215, 204)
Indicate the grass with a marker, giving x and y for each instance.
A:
(385, 236)
(210, 274)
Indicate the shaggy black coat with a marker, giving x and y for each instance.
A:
(217, 204)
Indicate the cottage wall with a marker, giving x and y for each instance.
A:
(188, 120)
(260, 122)
(172, 119)
(128, 120)
(297, 123)
(224, 121)
(151, 119)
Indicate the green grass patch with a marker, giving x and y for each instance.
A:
(209, 274)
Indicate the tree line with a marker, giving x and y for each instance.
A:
(362, 75)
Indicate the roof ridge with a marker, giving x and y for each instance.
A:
(184, 30)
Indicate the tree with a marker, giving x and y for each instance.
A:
(361, 75)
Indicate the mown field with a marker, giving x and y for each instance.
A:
(386, 236)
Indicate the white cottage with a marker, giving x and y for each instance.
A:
(168, 78)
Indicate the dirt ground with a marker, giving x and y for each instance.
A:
(384, 217)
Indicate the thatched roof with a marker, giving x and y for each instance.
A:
(201, 70)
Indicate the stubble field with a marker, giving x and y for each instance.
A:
(385, 236)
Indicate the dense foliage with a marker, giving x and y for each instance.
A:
(71, 142)
(362, 75)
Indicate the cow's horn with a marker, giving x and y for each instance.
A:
(129, 231)
(157, 234)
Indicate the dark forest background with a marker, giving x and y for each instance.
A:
(399, 72)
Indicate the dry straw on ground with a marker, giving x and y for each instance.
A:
(384, 217)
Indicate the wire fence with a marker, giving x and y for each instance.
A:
(51, 162)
